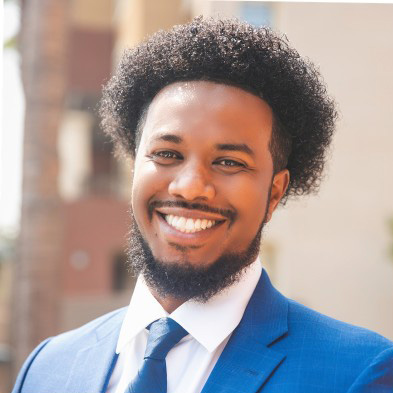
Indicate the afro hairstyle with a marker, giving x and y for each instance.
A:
(231, 52)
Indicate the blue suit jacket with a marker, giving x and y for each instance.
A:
(279, 346)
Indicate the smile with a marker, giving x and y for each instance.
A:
(188, 225)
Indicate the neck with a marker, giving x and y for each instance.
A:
(168, 303)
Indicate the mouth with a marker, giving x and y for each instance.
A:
(189, 225)
(189, 222)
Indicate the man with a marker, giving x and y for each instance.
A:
(224, 122)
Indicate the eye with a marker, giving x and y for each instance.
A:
(165, 157)
(226, 162)
(166, 154)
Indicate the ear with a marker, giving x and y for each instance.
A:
(279, 186)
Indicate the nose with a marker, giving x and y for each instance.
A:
(192, 183)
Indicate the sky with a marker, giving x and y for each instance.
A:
(11, 120)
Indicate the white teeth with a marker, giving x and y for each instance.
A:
(188, 225)
(198, 224)
(203, 224)
(181, 223)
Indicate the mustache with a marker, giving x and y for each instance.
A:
(230, 214)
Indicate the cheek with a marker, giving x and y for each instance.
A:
(249, 196)
(147, 184)
(252, 210)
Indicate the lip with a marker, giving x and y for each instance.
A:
(173, 235)
(187, 213)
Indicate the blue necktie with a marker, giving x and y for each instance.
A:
(164, 334)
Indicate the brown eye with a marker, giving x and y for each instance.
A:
(229, 163)
(166, 154)
(165, 157)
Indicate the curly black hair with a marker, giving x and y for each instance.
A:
(236, 53)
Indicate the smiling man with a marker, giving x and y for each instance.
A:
(224, 121)
(203, 188)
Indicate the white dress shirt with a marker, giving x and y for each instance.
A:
(209, 325)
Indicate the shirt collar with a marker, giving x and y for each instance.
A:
(209, 323)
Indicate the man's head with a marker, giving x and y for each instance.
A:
(224, 120)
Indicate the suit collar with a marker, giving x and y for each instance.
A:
(94, 363)
(249, 359)
(199, 319)
(212, 322)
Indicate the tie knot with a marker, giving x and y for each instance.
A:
(164, 334)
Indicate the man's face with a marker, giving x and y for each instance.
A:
(203, 176)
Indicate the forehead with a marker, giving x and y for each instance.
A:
(202, 106)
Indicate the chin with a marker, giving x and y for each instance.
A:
(187, 259)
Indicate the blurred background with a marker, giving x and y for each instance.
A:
(64, 197)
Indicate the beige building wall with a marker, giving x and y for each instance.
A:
(92, 14)
(136, 19)
(334, 249)
(332, 252)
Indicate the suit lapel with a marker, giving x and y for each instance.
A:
(94, 363)
(248, 359)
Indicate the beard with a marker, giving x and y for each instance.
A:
(185, 281)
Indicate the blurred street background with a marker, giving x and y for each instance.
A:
(64, 196)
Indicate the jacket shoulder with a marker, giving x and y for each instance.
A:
(66, 344)
(99, 326)
(357, 356)
(324, 354)
(320, 326)
(56, 355)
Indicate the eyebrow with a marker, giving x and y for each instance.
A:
(219, 146)
(169, 138)
(235, 147)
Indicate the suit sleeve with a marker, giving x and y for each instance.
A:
(377, 377)
(18, 388)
